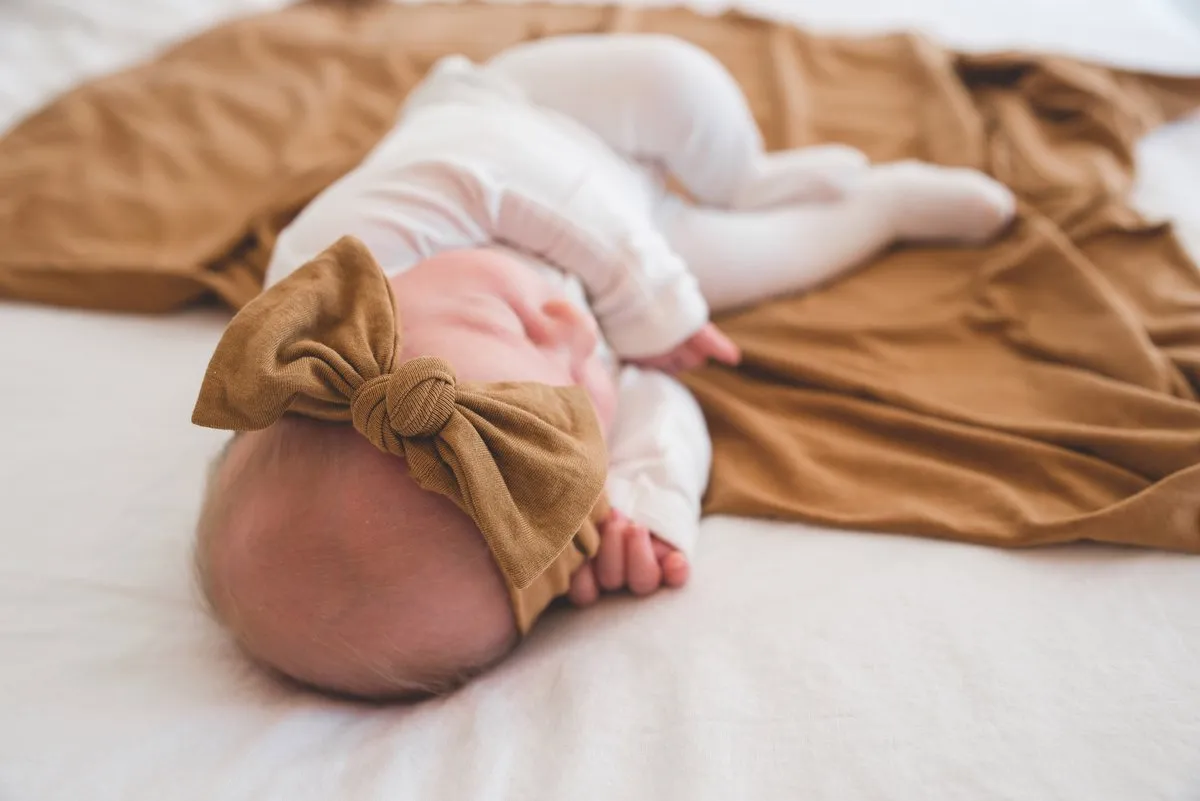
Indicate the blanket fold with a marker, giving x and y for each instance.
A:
(1039, 390)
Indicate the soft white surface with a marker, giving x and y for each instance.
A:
(799, 663)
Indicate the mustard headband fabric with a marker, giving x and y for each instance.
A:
(526, 462)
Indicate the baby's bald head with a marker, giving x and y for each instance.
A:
(329, 564)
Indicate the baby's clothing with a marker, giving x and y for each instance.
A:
(471, 162)
(558, 151)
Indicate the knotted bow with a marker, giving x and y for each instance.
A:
(525, 461)
(417, 400)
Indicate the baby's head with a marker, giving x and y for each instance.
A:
(321, 554)
(329, 564)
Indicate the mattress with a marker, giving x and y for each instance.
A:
(799, 663)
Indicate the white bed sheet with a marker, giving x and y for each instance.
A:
(800, 663)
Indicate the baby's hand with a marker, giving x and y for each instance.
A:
(707, 343)
(629, 557)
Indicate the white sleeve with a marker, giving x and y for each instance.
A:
(402, 218)
(660, 455)
(639, 288)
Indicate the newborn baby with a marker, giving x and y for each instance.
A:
(521, 212)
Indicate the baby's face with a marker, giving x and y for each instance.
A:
(495, 319)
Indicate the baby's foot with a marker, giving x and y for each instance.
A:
(948, 204)
(630, 557)
(804, 175)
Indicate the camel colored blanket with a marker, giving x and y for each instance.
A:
(1043, 389)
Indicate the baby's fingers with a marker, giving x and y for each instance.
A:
(675, 566)
(610, 560)
(655, 362)
(675, 570)
(688, 358)
(712, 343)
(642, 572)
(583, 590)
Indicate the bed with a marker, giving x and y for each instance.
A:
(800, 662)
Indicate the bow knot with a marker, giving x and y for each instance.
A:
(420, 397)
(416, 401)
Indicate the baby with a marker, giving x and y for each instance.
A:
(521, 214)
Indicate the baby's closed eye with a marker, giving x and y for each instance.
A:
(485, 313)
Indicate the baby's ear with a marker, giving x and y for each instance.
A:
(558, 323)
(559, 312)
(547, 323)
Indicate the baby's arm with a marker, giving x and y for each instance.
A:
(640, 290)
(659, 460)
(644, 297)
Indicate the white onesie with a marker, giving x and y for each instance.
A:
(558, 151)
(472, 162)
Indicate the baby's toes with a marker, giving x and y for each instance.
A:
(642, 573)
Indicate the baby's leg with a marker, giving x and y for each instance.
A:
(662, 100)
(743, 257)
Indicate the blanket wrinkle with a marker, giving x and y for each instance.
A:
(1041, 389)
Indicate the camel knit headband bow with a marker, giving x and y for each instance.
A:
(525, 461)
